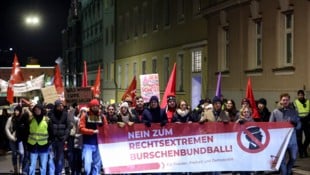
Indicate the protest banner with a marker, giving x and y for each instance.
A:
(193, 147)
(18, 88)
(149, 86)
(79, 95)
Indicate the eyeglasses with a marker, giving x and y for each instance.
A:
(111, 109)
(246, 111)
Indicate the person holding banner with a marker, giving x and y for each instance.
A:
(89, 124)
(125, 117)
(216, 114)
(285, 112)
(111, 114)
(183, 113)
(154, 114)
(171, 108)
(138, 110)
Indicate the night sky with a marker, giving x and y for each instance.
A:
(43, 42)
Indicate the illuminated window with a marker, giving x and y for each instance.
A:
(196, 61)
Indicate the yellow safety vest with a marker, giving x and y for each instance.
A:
(302, 111)
(38, 132)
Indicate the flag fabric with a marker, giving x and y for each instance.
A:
(96, 87)
(58, 80)
(170, 88)
(84, 77)
(218, 91)
(131, 91)
(250, 96)
(16, 77)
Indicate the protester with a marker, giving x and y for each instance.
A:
(38, 140)
(111, 114)
(13, 132)
(4, 141)
(217, 114)
(61, 128)
(89, 124)
(263, 111)
(245, 115)
(183, 113)
(302, 105)
(286, 113)
(154, 114)
(125, 117)
(231, 108)
(138, 110)
(171, 108)
(75, 152)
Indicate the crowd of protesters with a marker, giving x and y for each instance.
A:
(52, 134)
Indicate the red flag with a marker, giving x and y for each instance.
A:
(250, 96)
(131, 91)
(58, 80)
(84, 78)
(96, 87)
(16, 77)
(170, 88)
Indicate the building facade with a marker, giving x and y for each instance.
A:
(267, 41)
(90, 37)
(72, 47)
(153, 35)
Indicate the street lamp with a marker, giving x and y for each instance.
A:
(32, 20)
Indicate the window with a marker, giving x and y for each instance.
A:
(144, 18)
(154, 65)
(135, 21)
(119, 76)
(144, 67)
(167, 13)
(120, 28)
(223, 48)
(112, 34)
(196, 7)
(196, 61)
(126, 75)
(166, 70)
(106, 36)
(155, 15)
(258, 48)
(180, 72)
(288, 38)
(180, 11)
(285, 35)
(134, 68)
(127, 26)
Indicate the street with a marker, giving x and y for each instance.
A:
(301, 166)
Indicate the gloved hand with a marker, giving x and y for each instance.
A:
(241, 121)
(148, 124)
(293, 123)
(162, 124)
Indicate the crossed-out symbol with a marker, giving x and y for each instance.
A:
(253, 134)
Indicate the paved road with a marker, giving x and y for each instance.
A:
(302, 166)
